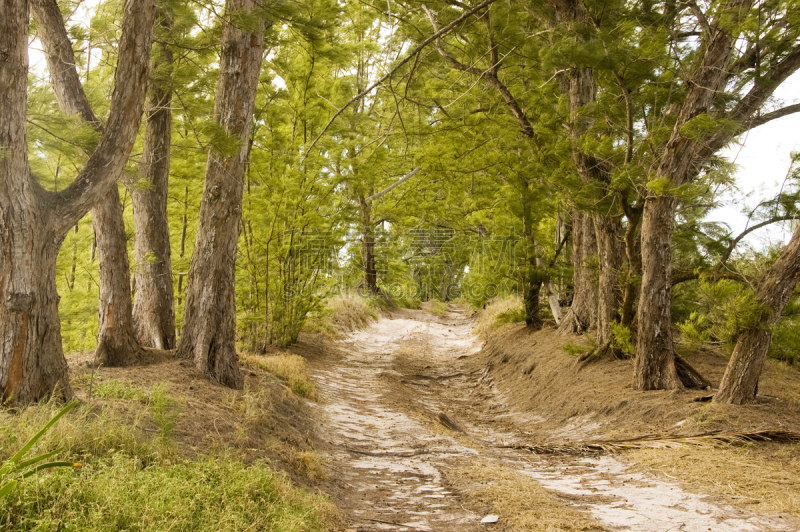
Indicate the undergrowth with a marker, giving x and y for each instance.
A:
(135, 480)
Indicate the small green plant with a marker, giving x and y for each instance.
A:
(438, 307)
(573, 349)
(622, 341)
(17, 467)
(515, 315)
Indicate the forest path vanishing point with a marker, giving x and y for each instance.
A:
(396, 467)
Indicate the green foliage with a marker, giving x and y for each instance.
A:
(622, 339)
(116, 389)
(516, 315)
(573, 349)
(725, 309)
(130, 481)
(164, 409)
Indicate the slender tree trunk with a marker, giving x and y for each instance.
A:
(116, 345)
(610, 256)
(368, 246)
(209, 329)
(582, 314)
(34, 222)
(655, 360)
(740, 383)
(633, 250)
(154, 308)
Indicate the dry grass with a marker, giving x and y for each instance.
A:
(520, 500)
(342, 315)
(763, 477)
(493, 315)
(290, 368)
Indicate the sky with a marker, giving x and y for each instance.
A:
(762, 157)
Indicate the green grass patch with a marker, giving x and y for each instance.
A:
(134, 480)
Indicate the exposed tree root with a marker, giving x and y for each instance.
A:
(689, 376)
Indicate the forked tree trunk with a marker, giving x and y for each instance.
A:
(740, 383)
(209, 331)
(154, 307)
(116, 345)
(33, 221)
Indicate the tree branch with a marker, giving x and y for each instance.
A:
(490, 75)
(107, 162)
(413, 53)
(393, 185)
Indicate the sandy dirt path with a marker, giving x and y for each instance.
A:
(383, 390)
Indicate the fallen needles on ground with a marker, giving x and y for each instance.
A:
(660, 441)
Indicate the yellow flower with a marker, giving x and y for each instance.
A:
(77, 465)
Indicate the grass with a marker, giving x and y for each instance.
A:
(135, 480)
(438, 307)
(521, 501)
(498, 312)
(288, 367)
(342, 315)
(764, 478)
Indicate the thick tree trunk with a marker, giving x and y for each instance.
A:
(154, 307)
(33, 222)
(740, 383)
(209, 331)
(655, 360)
(582, 315)
(32, 363)
(116, 345)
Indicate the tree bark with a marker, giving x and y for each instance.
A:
(116, 345)
(154, 307)
(610, 257)
(209, 331)
(740, 383)
(34, 222)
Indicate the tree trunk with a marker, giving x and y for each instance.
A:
(154, 307)
(116, 345)
(740, 383)
(209, 330)
(609, 250)
(633, 250)
(368, 246)
(655, 360)
(34, 222)
(582, 315)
